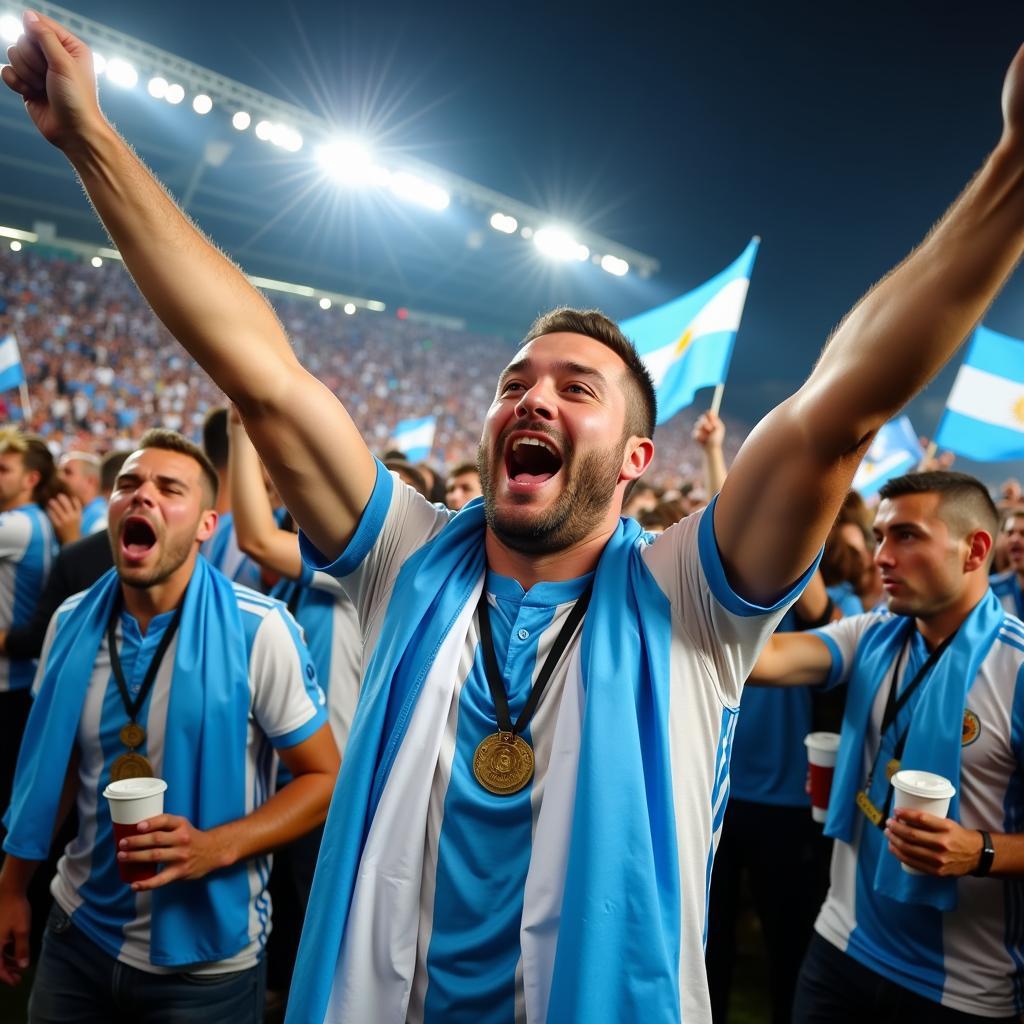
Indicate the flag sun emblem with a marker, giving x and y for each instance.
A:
(971, 729)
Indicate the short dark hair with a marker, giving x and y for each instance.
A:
(964, 499)
(215, 437)
(642, 410)
(110, 467)
(463, 467)
(172, 441)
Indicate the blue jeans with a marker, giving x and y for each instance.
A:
(833, 988)
(77, 983)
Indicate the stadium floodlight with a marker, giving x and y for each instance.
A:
(202, 104)
(10, 28)
(121, 73)
(350, 162)
(504, 223)
(417, 190)
(325, 303)
(263, 130)
(285, 137)
(241, 120)
(175, 94)
(96, 262)
(613, 265)
(15, 245)
(558, 244)
(99, 63)
(350, 308)
(157, 87)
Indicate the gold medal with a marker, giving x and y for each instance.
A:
(891, 768)
(503, 763)
(868, 809)
(130, 766)
(133, 735)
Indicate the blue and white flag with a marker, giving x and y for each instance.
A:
(687, 343)
(12, 374)
(895, 450)
(984, 417)
(415, 438)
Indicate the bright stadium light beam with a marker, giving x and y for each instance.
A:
(325, 303)
(121, 73)
(416, 190)
(202, 104)
(99, 63)
(175, 94)
(613, 265)
(263, 130)
(15, 245)
(241, 120)
(10, 28)
(558, 244)
(350, 308)
(96, 262)
(157, 87)
(349, 162)
(504, 223)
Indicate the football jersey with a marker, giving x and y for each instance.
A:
(1006, 586)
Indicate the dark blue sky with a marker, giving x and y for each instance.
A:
(838, 132)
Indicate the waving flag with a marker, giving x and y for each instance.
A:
(895, 450)
(415, 437)
(984, 417)
(687, 343)
(12, 374)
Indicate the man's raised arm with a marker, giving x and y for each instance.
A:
(311, 447)
(790, 477)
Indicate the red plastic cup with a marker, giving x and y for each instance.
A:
(132, 801)
(822, 748)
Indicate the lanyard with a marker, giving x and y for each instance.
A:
(494, 677)
(132, 707)
(894, 705)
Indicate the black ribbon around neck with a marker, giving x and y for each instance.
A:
(493, 673)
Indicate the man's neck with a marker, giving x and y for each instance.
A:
(937, 627)
(555, 567)
(25, 498)
(145, 603)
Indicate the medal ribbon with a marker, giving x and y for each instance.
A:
(130, 706)
(894, 705)
(493, 673)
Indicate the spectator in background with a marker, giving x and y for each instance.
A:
(463, 485)
(81, 474)
(27, 549)
(1009, 585)
(409, 474)
(435, 481)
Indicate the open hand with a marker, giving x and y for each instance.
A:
(52, 71)
(65, 512)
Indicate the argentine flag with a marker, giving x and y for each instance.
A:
(11, 373)
(415, 437)
(895, 450)
(984, 417)
(687, 343)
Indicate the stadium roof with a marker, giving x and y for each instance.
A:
(295, 201)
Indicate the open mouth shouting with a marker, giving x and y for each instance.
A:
(531, 460)
(138, 538)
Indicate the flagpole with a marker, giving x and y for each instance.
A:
(929, 454)
(716, 398)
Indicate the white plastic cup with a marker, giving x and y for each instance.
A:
(822, 748)
(922, 791)
(132, 801)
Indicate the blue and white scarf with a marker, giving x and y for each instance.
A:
(933, 741)
(207, 728)
(615, 867)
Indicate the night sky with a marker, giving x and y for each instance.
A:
(838, 132)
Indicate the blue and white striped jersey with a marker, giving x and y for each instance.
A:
(1006, 586)
(223, 553)
(473, 852)
(94, 516)
(972, 958)
(286, 706)
(28, 547)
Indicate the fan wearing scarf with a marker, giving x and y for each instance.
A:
(163, 667)
(933, 684)
(526, 821)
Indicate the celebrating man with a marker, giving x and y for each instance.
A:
(163, 667)
(525, 823)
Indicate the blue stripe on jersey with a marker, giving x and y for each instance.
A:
(1013, 822)
(1011, 640)
(484, 847)
(719, 797)
(309, 678)
(29, 579)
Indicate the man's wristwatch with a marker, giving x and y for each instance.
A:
(988, 852)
